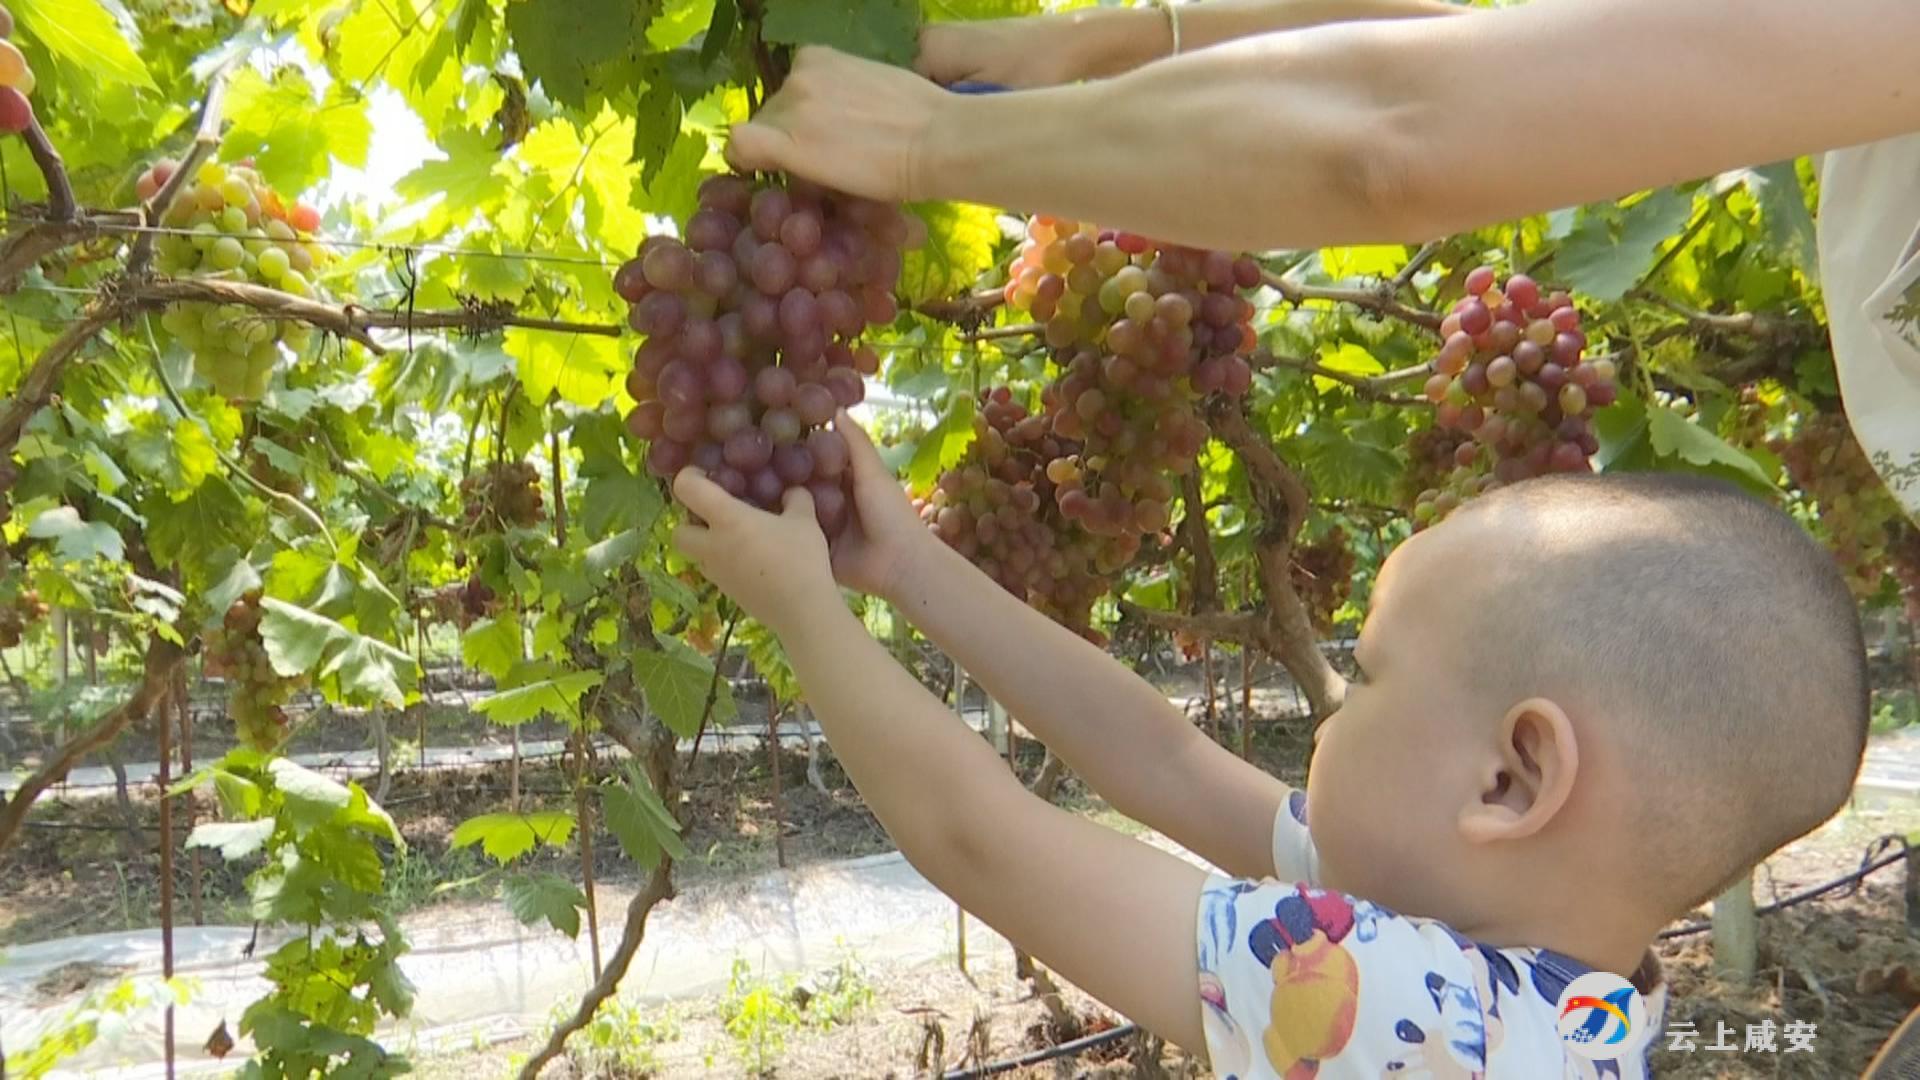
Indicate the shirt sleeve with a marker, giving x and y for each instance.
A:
(1297, 981)
(1293, 856)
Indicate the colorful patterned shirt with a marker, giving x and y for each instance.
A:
(1299, 983)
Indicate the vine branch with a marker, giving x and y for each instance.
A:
(162, 658)
(60, 203)
(206, 140)
(1371, 387)
(1377, 299)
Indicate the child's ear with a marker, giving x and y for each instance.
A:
(1528, 776)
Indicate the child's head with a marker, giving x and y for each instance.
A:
(1623, 689)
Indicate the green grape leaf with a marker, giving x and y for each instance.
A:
(506, 837)
(1783, 206)
(311, 799)
(1674, 436)
(960, 247)
(620, 500)
(619, 550)
(76, 540)
(234, 840)
(302, 642)
(469, 179)
(534, 898)
(885, 30)
(671, 591)
(641, 823)
(580, 368)
(349, 856)
(291, 137)
(576, 48)
(368, 816)
(557, 696)
(84, 34)
(1605, 267)
(980, 9)
(492, 645)
(676, 682)
(944, 446)
(656, 126)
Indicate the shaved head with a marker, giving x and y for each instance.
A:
(1699, 629)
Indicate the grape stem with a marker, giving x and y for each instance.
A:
(995, 333)
(1377, 299)
(206, 140)
(60, 203)
(1414, 265)
(163, 656)
(37, 388)
(1371, 387)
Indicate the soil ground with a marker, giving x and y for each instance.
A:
(1841, 962)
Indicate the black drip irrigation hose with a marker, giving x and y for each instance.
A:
(1869, 865)
(1065, 1049)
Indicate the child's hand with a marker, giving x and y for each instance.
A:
(773, 565)
(883, 532)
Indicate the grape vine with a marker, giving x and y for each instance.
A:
(258, 693)
(753, 326)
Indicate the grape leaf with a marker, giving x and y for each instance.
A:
(349, 856)
(506, 837)
(676, 683)
(656, 125)
(291, 137)
(576, 48)
(76, 540)
(84, 34)
(960, 246)
(886, 30)
(492, 645)
(301, 642)
(942, 448)
(1603, 267)
(234, 840)
(620, 500)
(641, 823)
(1784, 208)
(311, 799)
(671, 591)
(608, 556)
(544, 896)
(555, 696)
(981, 9)
(468, 179)
(1674, 436)
(580, 368)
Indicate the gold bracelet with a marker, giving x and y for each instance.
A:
(1173, 22)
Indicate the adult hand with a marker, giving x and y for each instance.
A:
(884, 535)
(853, 125)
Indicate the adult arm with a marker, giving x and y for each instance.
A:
(1378, 131)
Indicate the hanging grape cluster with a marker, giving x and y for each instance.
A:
(20, 611)
(502, 495)
(1140, 332)
(1826, 463)
(1000, 509)
(16, 81)
(1511, 373)
(232, 226)
(753, 327)
(259, 694)
(1323, 576)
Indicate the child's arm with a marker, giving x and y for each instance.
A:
(1123, 737)
(1115, 916)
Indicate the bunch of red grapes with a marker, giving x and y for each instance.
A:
(1826, 463)
(1053, 504)
(1511, 373)
(259, 696)
(753, 326)
(1142, 332)
(23, 610)
(503, 495)
(16, 81)
(1323, 576)
(999, 509)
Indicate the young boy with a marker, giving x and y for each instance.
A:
(1586, 705)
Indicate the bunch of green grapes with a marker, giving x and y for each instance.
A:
(230, 225)
(259, 694)
(16, 81)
